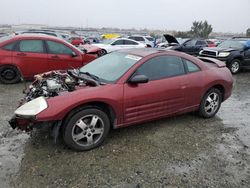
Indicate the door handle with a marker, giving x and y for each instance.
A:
(21, 54)
(55, 57)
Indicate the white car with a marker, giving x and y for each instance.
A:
(117, 44)
(148, 40)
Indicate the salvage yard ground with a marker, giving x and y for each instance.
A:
(177, 152)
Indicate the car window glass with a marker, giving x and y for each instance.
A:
(118, 42)
(137, 38)
(191, 66)
(35, 46)
(9, 46)
(129, 42)
(150, 39)
(58, 48)
(161, 67)
(190, 43)
(200, 42)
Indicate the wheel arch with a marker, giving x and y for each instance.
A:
(14, 66)
(107, 108)
(220, 87)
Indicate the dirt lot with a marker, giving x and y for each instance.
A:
(184, 151)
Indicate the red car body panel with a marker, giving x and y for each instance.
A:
(143, 102)
(91, 48)
(29, 63)
(77, 41)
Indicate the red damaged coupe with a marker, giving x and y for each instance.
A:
(26, 55)
(120, 89)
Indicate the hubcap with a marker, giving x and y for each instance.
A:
(235, 66)
(88, 130)
(8, 74)
(212, 103)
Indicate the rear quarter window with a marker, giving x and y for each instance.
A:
(191, 67)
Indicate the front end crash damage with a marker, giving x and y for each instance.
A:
(45, 86)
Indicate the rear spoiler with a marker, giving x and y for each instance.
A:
(212, 60)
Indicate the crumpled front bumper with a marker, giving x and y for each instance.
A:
(24, 124)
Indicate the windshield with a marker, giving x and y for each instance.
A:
(3, 39)
(111, 67)
(232, 44)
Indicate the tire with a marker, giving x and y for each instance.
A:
(102, 52)
(234, 66)
(9, 74)
(86, 129)
(210, 103)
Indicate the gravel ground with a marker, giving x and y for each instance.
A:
(184, 151)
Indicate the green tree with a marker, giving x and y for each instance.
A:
(183, 34)
(201, 29)
(248, 32)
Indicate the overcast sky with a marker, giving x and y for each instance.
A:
(224, 15)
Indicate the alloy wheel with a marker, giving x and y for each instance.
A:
(212, 103)
(235, 67)
(88, 130)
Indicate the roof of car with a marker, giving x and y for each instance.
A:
(142, 52)
(34, 35)
(241, 38)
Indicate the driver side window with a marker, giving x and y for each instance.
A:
(161, 67)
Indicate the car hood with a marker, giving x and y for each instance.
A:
(170, 39)
(218, 49)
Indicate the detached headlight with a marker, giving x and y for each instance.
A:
(223, 54)
(32, 108)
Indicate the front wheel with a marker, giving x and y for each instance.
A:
(86, 129)
(210, 103)
(234, 66)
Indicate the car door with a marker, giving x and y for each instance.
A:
(117, 45)
(247, 57)
(162, 95)
(62, 57)
(198, 46)
(131, 44)
(30, 54)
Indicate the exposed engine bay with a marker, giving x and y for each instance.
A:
(54, 83)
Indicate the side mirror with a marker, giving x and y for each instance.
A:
(74, 54)
(138, 79)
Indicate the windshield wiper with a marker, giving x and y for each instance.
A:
(91, 76)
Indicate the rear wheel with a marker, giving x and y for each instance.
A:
(9, 74)
(86, 129)
(234, 66)
(210, 103)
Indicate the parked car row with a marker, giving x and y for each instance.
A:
(234, 52)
